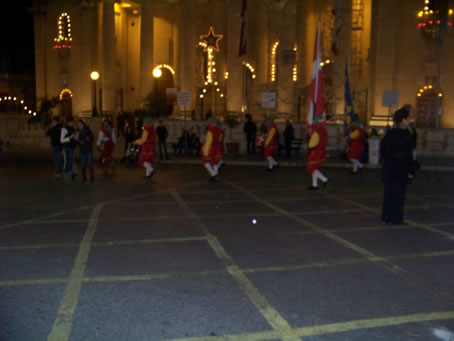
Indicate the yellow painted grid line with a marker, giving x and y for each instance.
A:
(332, 328)
(272, 316)
(374, 210)
(309, 265)
(393, 268)
(63, 322)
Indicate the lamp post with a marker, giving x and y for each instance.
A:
(94, 77)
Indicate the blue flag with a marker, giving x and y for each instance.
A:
(348, 109)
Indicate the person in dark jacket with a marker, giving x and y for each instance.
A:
(162, 132)
(250, 129)
(289, 135)
(54, 133)
(69, 142)
(86, 139)
(396, 151)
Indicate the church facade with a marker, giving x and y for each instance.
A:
(236, 55)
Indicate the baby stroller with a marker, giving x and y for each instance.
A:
(132, 155)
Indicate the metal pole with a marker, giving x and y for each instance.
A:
(186, 132)
(95, 111)
(100, 101)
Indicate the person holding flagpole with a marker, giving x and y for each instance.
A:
(270, 144)
(316, 130)
(357, 139)
(211, 151)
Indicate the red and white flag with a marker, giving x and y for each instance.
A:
(316, 96)
(243, 39)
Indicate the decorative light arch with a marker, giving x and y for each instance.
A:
(274, 61)
(428, 88)
(64, 38)
(165, 66)
(250, 68)
(65, 91)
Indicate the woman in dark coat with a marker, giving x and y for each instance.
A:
(396, 151)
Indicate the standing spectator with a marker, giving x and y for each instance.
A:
(54, 132)
(162, 140)
(86, 140)
(128, 131)
(68, 140)
(106, 143)
(396, 150)
(250, 129)
(289, 135)
(414, 135)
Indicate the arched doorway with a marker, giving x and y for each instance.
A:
(66, 103)
(427, 105)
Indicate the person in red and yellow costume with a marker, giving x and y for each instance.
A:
(357, 139)
(271, 144)
(211, 149)
(318, 139)
(221, 145)
(108, 140)
(148, 143)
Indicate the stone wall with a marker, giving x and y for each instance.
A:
(20, 137)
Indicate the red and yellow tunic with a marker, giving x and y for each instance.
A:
(356, 148)
(211, 149)
(271, 141)
(317, 147)
(148, 142)
(107, 147)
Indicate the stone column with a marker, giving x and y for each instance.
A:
(146, 48)
(87, 57)
(286, 60)
(234, 88)
(187, 50)
(40, 51)
(108, 73)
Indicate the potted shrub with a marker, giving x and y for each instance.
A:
(232, 120)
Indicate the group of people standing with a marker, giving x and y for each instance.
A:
(67, 135)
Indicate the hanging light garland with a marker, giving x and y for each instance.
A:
(21, 102)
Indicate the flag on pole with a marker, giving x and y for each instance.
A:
(316, 96)
(337, 26)
(243, 39)
(348, 108)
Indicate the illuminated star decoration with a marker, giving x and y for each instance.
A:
(211, 39)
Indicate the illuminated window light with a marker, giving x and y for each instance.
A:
(64, 32)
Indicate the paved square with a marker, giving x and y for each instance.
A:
(253, 257)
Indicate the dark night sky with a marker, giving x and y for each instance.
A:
(16, 37)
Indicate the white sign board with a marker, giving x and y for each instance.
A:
(390, 98)
(184, 99)
(268, 100)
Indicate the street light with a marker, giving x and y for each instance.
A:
(94, 77)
